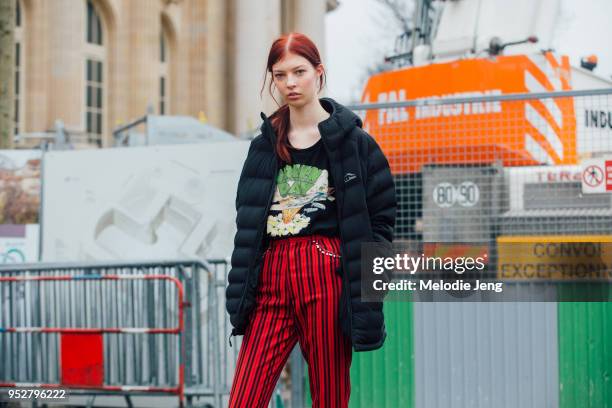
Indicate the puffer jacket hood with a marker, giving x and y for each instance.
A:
(340, 122)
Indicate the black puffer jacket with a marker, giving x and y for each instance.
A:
(365, 194)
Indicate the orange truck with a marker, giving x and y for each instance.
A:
(523, 132)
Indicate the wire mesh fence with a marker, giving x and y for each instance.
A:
(530, 144)
(499, 170)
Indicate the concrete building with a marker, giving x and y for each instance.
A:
(96, 64)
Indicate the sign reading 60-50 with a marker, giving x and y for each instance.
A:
(465, 194)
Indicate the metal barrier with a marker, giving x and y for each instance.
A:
(81, 358)
(136, 300)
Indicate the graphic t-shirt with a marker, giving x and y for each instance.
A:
(304, 201)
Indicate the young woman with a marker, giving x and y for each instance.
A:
(314, 186)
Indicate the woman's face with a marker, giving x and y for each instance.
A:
(296, 79)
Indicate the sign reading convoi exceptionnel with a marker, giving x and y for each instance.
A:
(572, 257)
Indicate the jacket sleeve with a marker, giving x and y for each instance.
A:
(243, 175)
(380, 193)
(236, 274)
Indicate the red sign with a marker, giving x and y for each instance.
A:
(82, 359)
(608, 175)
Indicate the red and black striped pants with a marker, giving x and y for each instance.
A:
(297, 300)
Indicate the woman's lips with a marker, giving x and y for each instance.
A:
(293, 95)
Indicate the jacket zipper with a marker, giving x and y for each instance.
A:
(342, 252)
(259, 239)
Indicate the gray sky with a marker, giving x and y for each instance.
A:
(354, 38)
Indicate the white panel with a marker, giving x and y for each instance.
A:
(139, 203)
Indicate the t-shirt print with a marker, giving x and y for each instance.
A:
(302, 193)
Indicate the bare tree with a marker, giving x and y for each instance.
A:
(395, 17)
(7, 72)
(399, 11)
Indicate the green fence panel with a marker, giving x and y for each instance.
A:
(585, 355)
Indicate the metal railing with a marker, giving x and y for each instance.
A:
(81, 357)
(124, 303)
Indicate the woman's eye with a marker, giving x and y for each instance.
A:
(278, 76)
(300, 71)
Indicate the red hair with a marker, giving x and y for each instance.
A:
(294, 43)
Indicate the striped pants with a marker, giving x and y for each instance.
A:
(297, 300)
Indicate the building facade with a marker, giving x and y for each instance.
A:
(97, 64)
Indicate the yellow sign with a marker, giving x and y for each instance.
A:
(558, 257)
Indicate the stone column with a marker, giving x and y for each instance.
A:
(257, 25)
(144, 27)
(215, 63)
(309, 19)
(198, 53)
(65, 64)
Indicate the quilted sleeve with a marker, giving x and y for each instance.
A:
(380, 193)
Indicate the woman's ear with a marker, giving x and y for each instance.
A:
(320, 70)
